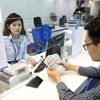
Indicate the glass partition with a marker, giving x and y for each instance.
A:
(55, 28)
(60, 41)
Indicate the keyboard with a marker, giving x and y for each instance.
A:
(40, 67)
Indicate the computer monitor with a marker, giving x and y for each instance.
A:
(55, 44)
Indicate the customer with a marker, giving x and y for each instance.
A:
(93, 46)
(15, 39)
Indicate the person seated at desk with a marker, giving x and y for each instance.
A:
(15, 39)
(93, 46)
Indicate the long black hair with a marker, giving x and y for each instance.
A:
(9, 20)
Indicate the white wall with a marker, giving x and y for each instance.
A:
(86, 3)
(95, 8)
(66, 7)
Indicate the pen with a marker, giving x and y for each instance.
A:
(41, 57)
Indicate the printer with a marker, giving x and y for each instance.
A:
(13, 75)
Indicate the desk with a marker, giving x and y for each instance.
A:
(57, 29)
(47, 90)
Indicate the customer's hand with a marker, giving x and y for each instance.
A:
(68, 66)
(33, 62)
(54, 74)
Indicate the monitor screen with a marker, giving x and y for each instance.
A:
(55, 44)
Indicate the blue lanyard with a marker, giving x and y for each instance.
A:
(16, 53)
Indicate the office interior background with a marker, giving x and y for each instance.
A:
(32, 8)
(29, 9)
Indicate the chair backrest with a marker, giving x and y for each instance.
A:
(37, 21)
(64, 18)
(38, 43)
(61, 23)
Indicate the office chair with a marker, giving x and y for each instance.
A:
(61, 23)
(37, 21)
(40, 36)
(64, 18)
